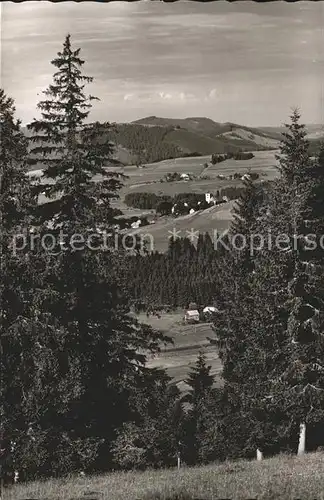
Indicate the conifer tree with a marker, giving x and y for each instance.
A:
(13, 191)
(151, 438)
(200, 416)
(286, 339)
(200, 380)
(88, 299)
(15, 200)
(236, 268)
(72, 150)
(244, 209)
(238, 316)
(32, 343)
(300, 384)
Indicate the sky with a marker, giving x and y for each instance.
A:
(242, 62)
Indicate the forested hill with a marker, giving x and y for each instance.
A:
(155, 139)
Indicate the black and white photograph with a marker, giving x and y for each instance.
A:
(161, 250)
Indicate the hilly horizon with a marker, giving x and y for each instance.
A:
(210, 126)
(153, 139)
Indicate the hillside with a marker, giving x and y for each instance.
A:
(279, 478)
(230, 134)
(215, 219)
(153, 139)
(201, 125)
(179, 358)
(220, 136)
(315, 135)
(156, 139)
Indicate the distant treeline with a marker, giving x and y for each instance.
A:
(145, 201)
(151, 201)
(216, 158)
(186, 272)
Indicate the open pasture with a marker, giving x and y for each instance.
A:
(188, 339)
(215, 219)
(148, 179)
(283, 477)
(264, 163)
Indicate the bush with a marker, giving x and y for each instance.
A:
(171, 177)
(243, 156)
(218, 158)
(236, 156)
(164, 208)
(254, 175)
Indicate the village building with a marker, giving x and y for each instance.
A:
(192, 316)
(136, 224)
(209, 198)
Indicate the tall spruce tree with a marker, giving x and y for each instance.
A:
(200, 380)
(31, 341)
(13, 204)
(300, 386)
(285, 337)
(200, 418)
(88, 300)
(234, 323)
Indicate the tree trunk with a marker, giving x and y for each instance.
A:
(259, 455)
(302, 440)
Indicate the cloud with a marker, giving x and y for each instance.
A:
(176, 96)
(129, 97)
(165, 95)
(186, 97)
(244, 51)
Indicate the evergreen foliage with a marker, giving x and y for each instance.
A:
(104, 346)
(76, 392)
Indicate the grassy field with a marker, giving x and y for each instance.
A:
(213, 219)
(278, 478)
(264, 163)
(148, 179)
(188, 341)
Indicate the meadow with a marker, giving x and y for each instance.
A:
(283, 477)
(188, 340)
(214, 220)
(148, 180)
(264, 163)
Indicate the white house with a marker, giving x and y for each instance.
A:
(185, 177)
(209, 310)
(192, 316)
(192, 211)
(136, 224)
(209, 198)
